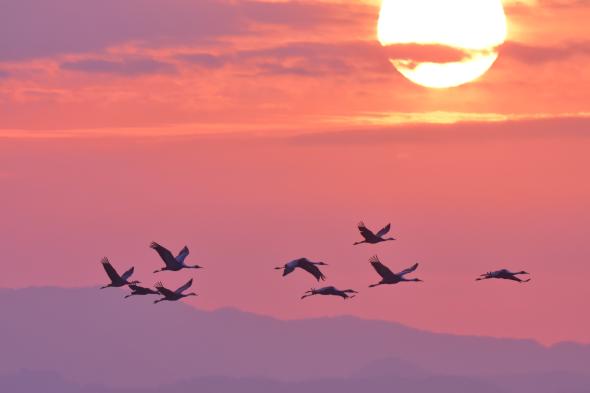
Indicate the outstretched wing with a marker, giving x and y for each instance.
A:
(312, 269)
(127, 274)
(111, 272)
(380, 268)
(182, 255)
(365, 232)
(163, 290)
(384, 230)
(184, 287)
(166, 255)
(408, 270)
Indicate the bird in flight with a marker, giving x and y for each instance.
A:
(137, 290)
(116, 279)
(173, 263)
(389, 277)
(305, 264)
(373, 238)
(173, 295)
(503, 274)
(344, 294)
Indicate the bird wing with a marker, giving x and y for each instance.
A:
(312, 269)
(365, 232)
(182, 255)
(165, 254)
(184, 287)
(384, 230)
(127, 274)
(111, 272)
(135, 288)
(408, 270)
(380, 268)
(163, 290)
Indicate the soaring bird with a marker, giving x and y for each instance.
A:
(305, 264)
(387, 276)
(173, 263)
(373, 238)
(173, 295)
(137, 290)
(330, 291)
(503, 274)
(116, 279)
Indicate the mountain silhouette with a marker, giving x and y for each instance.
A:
(96, 338)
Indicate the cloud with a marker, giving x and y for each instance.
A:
(558, 127)
(320, 58)
(426, 53)
(563, 3)
(302, 58)
(206, 60)
(129, 67)
(4, 74)
(539, 54)
(89, 26)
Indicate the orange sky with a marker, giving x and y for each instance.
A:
(278, 65)
(261, 132)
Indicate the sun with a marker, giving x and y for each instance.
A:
(472, 28)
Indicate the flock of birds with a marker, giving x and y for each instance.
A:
(177, 263)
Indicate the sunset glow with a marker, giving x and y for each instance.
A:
(256, 132)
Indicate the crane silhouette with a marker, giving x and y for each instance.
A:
(330, 291)
(389, 277)
(305, 264)
(136, 290)
(373, 238)
(173, 263)
(116, 279)
(170, 295)
(504, 274)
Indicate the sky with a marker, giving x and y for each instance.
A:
(259, 132)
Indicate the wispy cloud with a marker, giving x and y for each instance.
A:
(557, 127)
(127, 67)
(541, 54)
(72, 26)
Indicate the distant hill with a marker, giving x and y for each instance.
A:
(93, 337)
(47, 382)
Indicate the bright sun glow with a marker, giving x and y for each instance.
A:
(476, 26)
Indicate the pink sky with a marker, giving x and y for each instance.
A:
(257, 133)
